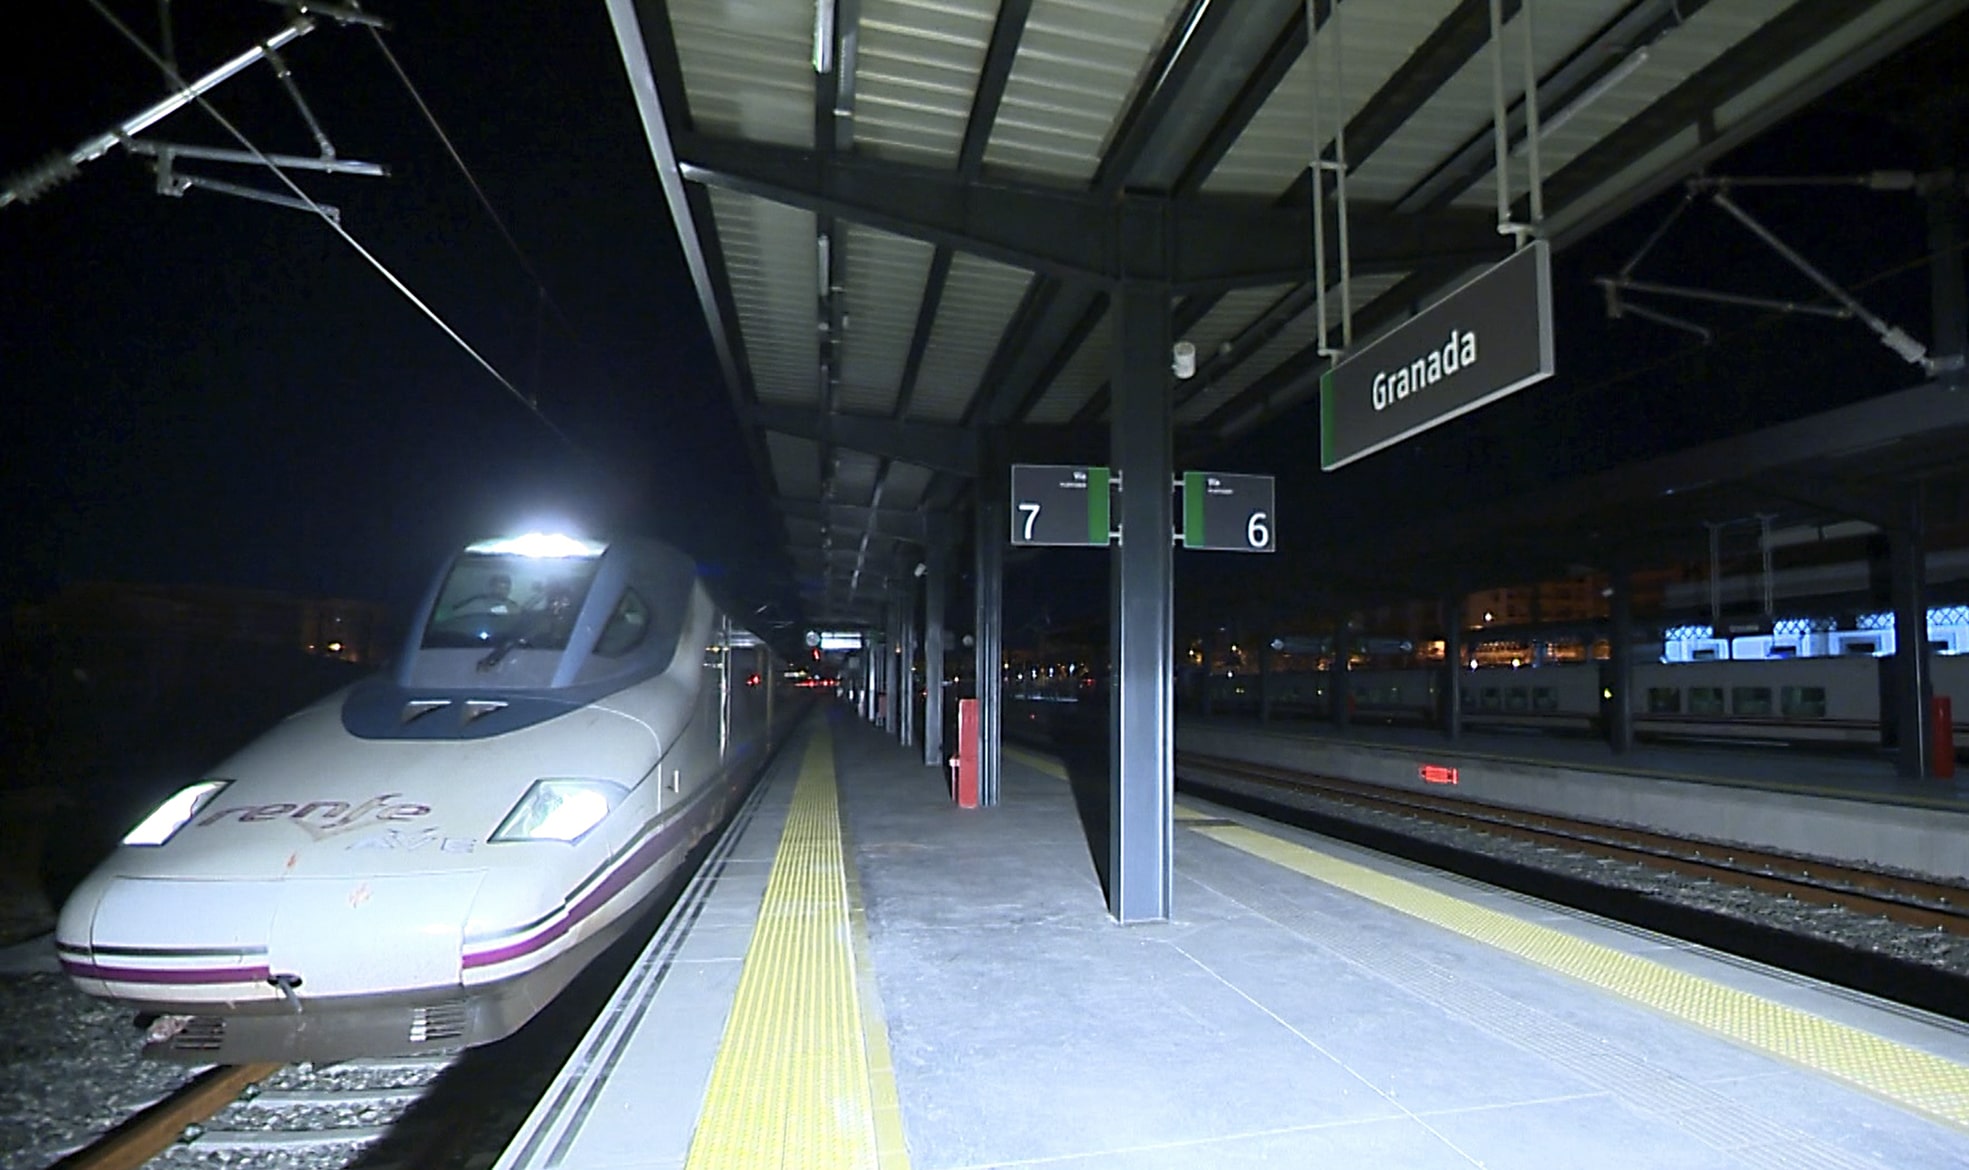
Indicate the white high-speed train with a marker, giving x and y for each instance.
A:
(423, 860)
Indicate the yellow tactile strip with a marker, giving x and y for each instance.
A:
(792, 1084)
(1917, 1080)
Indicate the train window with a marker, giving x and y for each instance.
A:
(627, 626)
(1469, 699)
(1705, 700)
(1705, 654)
(1804, 702)
(1858, 647)
(1516, 700)
(1750, 700)
(1492, 701)
(1544, 699)
(1664, 700)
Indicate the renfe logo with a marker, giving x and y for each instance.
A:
(323, 817)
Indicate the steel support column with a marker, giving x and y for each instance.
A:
(1141, 763)
(1951, 296)
(1452, 688)
(994, 491)
(933, 663)
(906, 666)
(892, 660)
(1620, 661)
(1913, 685)
(1264, 680)
(1340, 688)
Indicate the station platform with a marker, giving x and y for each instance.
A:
(865, 975)
(1849, 808)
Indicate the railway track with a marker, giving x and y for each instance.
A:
(1911, 901)
(262, 1114)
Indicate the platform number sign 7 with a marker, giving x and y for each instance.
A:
(1059, 505)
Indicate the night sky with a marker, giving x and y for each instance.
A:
(205, 389)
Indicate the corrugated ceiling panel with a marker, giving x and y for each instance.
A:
(979, 298)
(916, 69)
(1559, 30)
(1084, 373)
(748, 67)
(1464, 106)
(884, 287)
(773, 266)
(1233, 313)
(854, 476)
(906, 484)
(1078, 65)
(796, 465)
(1373, 41)
(1299, 333)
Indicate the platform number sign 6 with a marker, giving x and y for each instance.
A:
(1229, 513)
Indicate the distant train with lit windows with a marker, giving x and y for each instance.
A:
(423, 860)
(1830, 696)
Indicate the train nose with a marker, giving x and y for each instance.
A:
(172, 940)
(357, 936)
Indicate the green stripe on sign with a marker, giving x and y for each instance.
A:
(1097, 506)
(1326, 420)
(1193, 493)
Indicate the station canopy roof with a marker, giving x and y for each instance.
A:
(900, 214)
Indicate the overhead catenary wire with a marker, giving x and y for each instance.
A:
(172, 75)
(544, 298)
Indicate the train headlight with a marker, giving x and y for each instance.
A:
(559, 810)
(169, 817)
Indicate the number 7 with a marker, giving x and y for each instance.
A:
(1032, 517)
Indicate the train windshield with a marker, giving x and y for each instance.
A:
(497, 597)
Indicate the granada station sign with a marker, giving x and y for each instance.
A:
(1485, 340)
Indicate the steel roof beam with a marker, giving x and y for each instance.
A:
(909, 524)
(1217, 243)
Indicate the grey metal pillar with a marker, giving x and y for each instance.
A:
(1453, 666)
(1913, 687)
(933, 663)
(1339, 685)
(1264, 680)
(892, 663)
(1620, 661)
(1141, 757)
(906, 694)
(994, 529)
(1951, 297)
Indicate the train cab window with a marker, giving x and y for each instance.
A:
(1750, 700)
(1516, 699)
(1544, 699)
(509, 599)
(626, 628)
(1803, 702)
(1664, 700)
(1705, 700)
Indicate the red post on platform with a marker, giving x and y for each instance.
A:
(969, 748)
(1941, 725)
